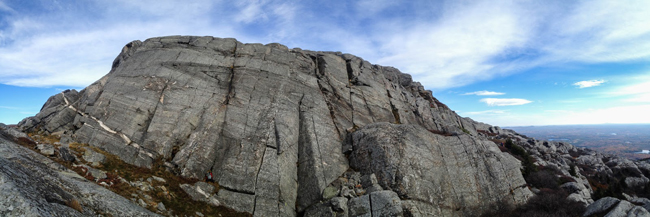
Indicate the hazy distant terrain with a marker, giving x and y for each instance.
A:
(624, 139)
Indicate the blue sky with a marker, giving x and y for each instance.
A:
(507, 63)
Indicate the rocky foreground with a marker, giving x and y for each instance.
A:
(290, 132)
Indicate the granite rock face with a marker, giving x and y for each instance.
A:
(448, 175)
(273, 124)
(612, 207)
(33, 185)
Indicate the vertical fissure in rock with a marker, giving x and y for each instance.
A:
(230, 93)
(372, 115)
(325, 97)
(277, 137)
(370, 204)
(257, 178)
(351, 76)
(393, 109)
(152, 114)
(320, 153)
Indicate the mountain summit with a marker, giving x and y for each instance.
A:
(288, 132)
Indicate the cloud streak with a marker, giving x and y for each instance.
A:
(442, 44)
(504, 102)
(487, 112)
(591, 83)
(484, 93)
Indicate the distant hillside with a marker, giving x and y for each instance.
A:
(623, 139)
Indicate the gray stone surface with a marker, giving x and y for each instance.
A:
(33, 185)
(65, 154)
(339, 204)
(621, 209)
(320, 209)
(638, 211)
(368, 180)
(385, 203)
(93, 157)
(601, 206)
(271, 122)
(448, 170)
(644, 202)
(200, 191)
(46, 149)
(360, 206)
(241, 202)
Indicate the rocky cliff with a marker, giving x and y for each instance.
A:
(288, 132)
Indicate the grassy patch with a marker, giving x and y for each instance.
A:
(168, 192)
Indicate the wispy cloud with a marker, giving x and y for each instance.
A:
(9, 107)
(484, 93)
(638, 92)
(442, 44)
(591, 83)
(504, 102)
(4, 7)
(456, 49)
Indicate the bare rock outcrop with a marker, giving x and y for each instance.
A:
(34, 185)
(272, 123)
(439, 175)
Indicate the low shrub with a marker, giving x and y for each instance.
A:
(543, 179)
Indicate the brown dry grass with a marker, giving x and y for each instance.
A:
(73, 203)
(174, 199)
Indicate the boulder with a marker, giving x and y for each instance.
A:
(339, 204)
(65, 154)
(93, 157)
(201, 191)
(601, 206)
(458, 171)
(636, 182)
(360, 206)
(385, 203)
(638, 211)
(644, 202)
(46, 149)
(621, 209)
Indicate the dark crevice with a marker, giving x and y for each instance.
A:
(231, 93)
(325, 93)
(152, 114)
(372, 115)
(277, 137)
(394, 109)
(351, 80)
(257, 177)
(237, 191)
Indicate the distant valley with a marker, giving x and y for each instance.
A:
(627, 140)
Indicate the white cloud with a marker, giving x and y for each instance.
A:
(484, 93)
(591, 83)
(601, 31)
(456, 49)
(60, 54)
(639, 92)
(487, 112)
(504, 102)
(442, 44)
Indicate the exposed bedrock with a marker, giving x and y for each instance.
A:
(273, 124)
